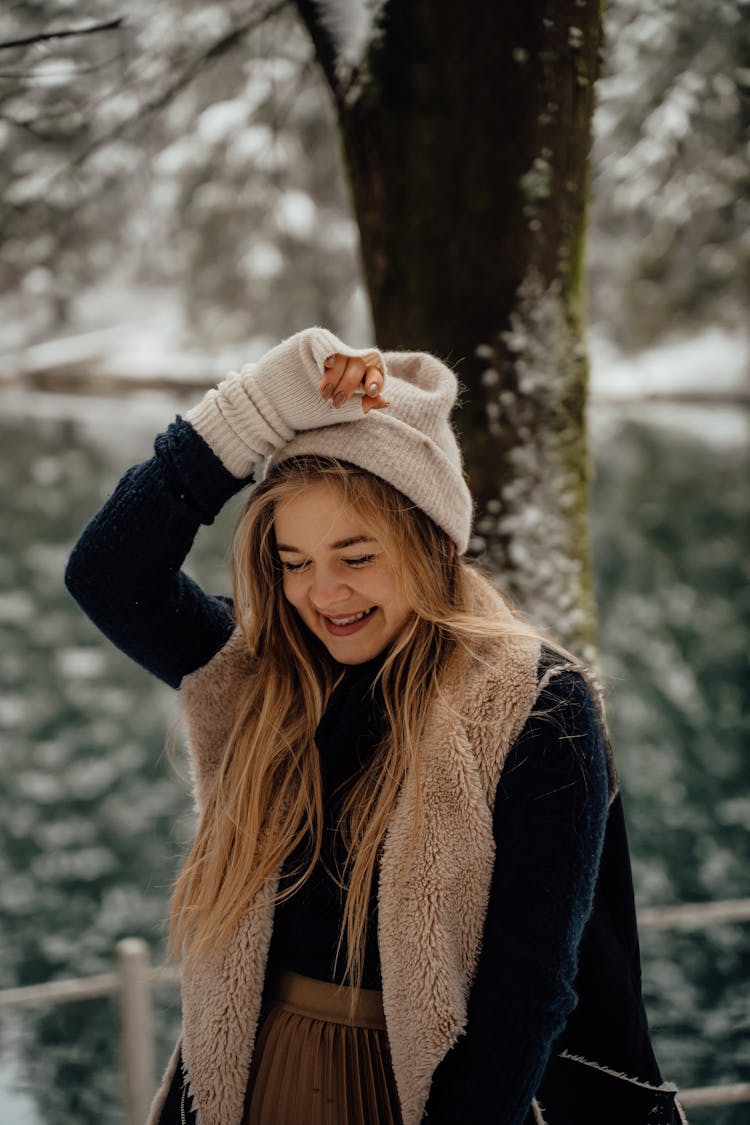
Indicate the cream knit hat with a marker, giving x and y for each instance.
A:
(273, 410)
(409, 444)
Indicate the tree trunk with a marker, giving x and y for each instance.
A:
(466, 131)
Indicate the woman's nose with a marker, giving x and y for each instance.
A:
(327, 590)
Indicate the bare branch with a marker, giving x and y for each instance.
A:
(216, 51)
(43, 37)
(158, 101)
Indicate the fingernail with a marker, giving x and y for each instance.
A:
(328, 361)
(339, 398)
(327, 390)
(372, 390)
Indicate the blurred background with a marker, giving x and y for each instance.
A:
(169, 208)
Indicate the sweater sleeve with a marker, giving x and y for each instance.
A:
(259, 409)
(549, 821)
(124, 571)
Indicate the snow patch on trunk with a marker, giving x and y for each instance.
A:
(535, 532)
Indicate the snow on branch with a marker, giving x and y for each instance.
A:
(352, 25)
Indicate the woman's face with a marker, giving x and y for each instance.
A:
(337, 576)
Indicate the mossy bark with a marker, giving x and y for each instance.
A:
(466, 134)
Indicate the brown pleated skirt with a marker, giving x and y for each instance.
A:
(312, 1065)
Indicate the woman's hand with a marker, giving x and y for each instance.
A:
(308, 381)
(343, 375)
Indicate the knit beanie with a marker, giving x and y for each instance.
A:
(273, 411)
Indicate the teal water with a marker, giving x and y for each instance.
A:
(93, 817)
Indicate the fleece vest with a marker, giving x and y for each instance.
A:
(432, 903)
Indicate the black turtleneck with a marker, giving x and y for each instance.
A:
(347, 735)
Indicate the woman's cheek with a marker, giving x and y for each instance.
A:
(288, 588)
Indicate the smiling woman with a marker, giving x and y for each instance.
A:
(351, 601)
(409, 896)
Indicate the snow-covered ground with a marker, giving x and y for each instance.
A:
(712, 361)
(19, 1107)
(146, 341)
(149, 341)
(664, 385)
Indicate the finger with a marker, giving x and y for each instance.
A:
(350, 381)
(334, 367)
(373, 381)
(369, 404)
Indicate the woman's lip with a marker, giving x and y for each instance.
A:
(347, 630)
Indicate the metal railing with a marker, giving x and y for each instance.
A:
(135, 979)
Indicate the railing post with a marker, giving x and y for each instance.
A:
(134, 967)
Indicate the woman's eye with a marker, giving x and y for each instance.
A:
(294, 568)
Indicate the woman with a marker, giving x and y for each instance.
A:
(409, 898)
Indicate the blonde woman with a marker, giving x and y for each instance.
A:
(409, 896)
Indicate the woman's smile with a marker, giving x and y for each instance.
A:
(345, 626)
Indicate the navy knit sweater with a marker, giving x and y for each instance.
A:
(549, 816)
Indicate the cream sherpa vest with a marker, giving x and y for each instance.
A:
(431, 909)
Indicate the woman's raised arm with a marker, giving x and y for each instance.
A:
(125, 569)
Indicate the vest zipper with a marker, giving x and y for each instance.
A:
(183, 1118)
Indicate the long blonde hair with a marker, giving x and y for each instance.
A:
(267, 799)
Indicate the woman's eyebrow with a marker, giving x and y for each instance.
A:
(354, 539)
(351, 542)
